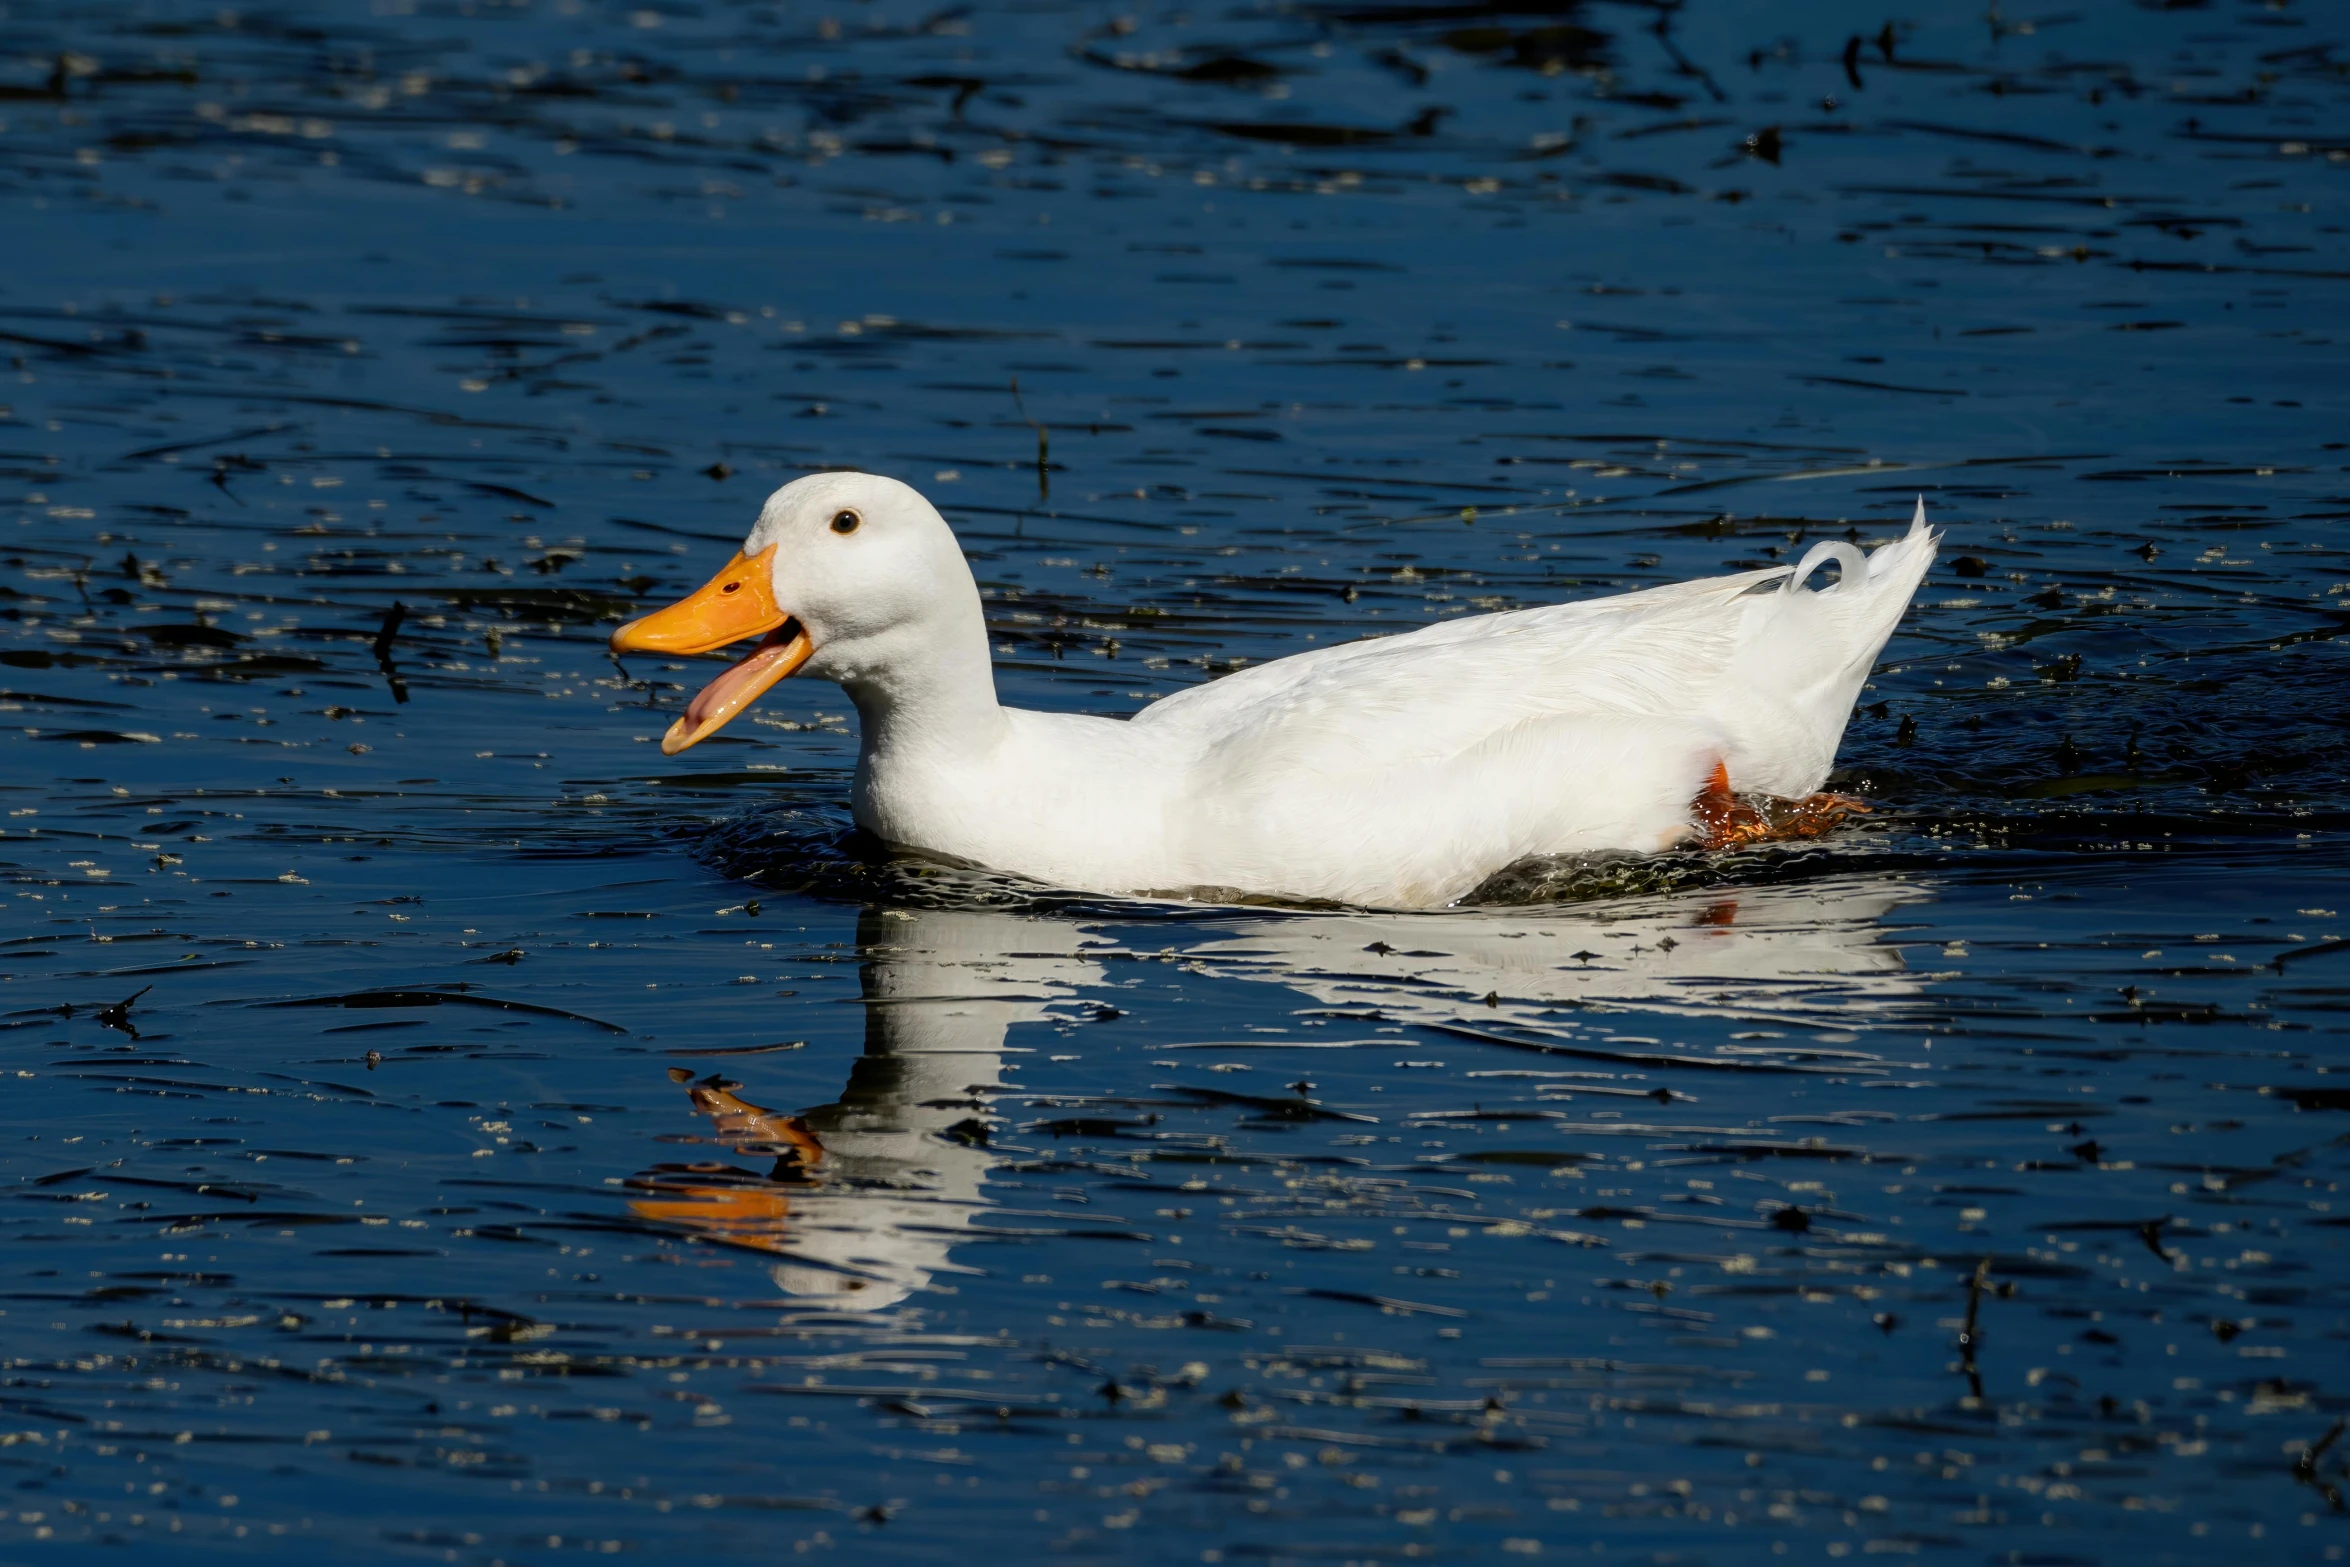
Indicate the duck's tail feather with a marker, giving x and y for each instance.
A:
(1908, 555)
(1805, 653)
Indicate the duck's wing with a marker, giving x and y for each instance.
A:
(1763, 663)
(1403, 771)
(1435, 692)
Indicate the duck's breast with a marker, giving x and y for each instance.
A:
(1068, 798)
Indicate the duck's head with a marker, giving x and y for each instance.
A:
(843, 574)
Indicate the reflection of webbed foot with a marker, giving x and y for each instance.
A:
(1728, 821)
(751, 1128)
(720, 1202)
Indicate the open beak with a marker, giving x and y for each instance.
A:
(736, 604)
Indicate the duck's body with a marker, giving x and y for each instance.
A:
(1396, 772)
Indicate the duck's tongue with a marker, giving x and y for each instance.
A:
(777, 655)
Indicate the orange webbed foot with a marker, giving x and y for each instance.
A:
(1814, 814)
(1726, 820)
(1723, 820)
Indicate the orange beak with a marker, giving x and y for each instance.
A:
(736, 604)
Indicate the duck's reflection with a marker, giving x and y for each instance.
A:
(868, 1194)
(1815, 954)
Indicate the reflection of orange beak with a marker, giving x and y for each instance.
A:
(737, 603)
(736, 1216)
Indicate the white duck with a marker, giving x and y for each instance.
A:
(1394, 772)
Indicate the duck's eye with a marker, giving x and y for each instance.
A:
(846, 522)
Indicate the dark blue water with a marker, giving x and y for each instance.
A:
(440, 1129)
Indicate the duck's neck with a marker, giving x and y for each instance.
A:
(930, 696)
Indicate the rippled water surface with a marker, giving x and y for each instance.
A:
(440, 1129)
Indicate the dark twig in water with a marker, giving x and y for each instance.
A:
(390, 629)
(2305, 1467)
(169, 447)
(1969, 1340)
(456, 995)
(118, 1016)
(1663, 29)
(383, 649)
(2295, 953)
(1044, 445)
